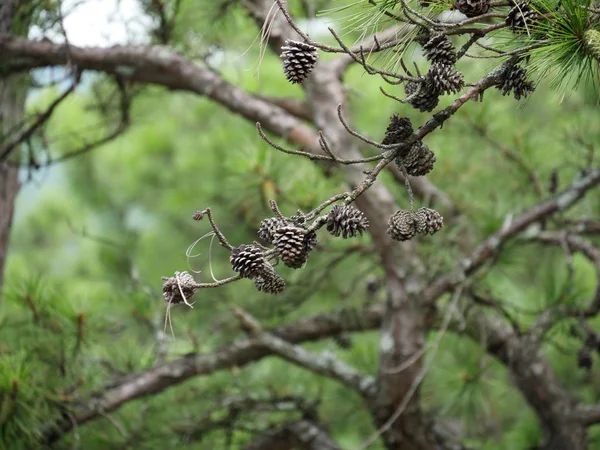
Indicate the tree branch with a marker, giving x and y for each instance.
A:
(326, 364)
(305, 433)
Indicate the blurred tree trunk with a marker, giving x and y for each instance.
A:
(12, 102)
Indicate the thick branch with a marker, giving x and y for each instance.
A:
(237, 354)
(587, 414)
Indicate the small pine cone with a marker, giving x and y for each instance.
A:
(419, 161)
(266, 230)
(427, 97)
(584, 358)
(444, 79)
(402, 225)
(270, 283)
(520, 18)
(248, 260)
(515, 81)
(171, 291)
(347, 221)
(439, 49)
(299, 60)
(473, 8)
(398, 130)
(429, 221)
(310, 241)
(292, 245)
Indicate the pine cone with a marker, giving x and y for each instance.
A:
(398, 130)
(515, 81)
(444, 79)
(271, 283)
(584, 358)
(439, 49)
(473, 8)
(419, 160)
(310, 241)
(520, 18)
(402, 225)
(266, 230)
(292, 245)
(427, 97)
(171, 291)
(248, 260)
(299, 60)
(429, 221)
(347, 221)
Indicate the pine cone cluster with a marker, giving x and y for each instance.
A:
(422, 94)
(293, 245)
(404, 224)
(269, 282)
(520, 17)
(346, 221)
(398, 130)
(171, 288)
(429, 221)
(515, 81)
(267, 228)
(440, 79)
(444, 79)
(248, 260)
(419, 161)
(473, 8)
(439, 49)
(299, 60)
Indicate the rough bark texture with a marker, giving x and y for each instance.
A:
(12, 102)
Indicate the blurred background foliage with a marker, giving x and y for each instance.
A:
(94, 234)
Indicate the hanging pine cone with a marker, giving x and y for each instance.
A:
(439, 49)
(444, 79)
(473, 8)
(584, 358)
(515, 81)
(171, 290)
(402, 225)
(266, 230)
(292, 246)
(419, 161)
(248, 260)
(398, 130)
(271, 283)
(427, 97)
(520, 18)
(347, 221)
(310, 241)
(429, 221)
(299, 60)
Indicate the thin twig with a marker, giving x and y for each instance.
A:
(199, 215)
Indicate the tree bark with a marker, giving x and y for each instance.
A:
(12, 103)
